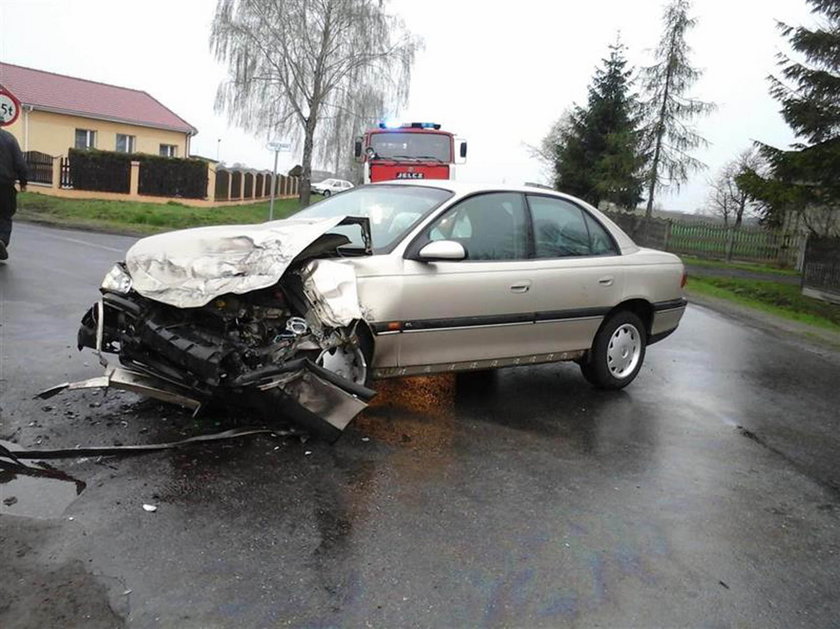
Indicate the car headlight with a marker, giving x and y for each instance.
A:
(117, 280)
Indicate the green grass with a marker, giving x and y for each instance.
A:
(778, 299)
(746, 266)
(142, 218)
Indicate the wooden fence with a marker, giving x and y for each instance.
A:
(710, 240)
(39, 166)
(236, 184)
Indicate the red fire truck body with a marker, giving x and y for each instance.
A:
(415, 150)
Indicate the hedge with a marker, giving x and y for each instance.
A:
(109, 171)
(172, 176)
(103, 171)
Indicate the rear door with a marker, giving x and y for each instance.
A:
(578, 276)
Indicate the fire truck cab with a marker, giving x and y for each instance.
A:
(413, 150)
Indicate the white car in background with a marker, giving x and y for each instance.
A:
(331, 186)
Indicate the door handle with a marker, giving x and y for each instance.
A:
(606, 280)
(520, 287)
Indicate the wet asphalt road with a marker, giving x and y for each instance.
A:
(707, 494)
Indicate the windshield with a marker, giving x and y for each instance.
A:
(395, 145)
(392, 210)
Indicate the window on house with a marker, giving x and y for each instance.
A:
(125, 143)
(169, 150)
(85, 139)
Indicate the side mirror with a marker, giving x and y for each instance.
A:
(442, 250)
(462, 151)
(357, 149)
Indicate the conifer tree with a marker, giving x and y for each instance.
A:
(669, 136)
(806, 179)
(598, 156)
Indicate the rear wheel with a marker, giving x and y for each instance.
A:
(617, 353)
(327, 193)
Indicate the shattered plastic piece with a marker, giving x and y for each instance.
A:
(297, 326)
(149, 508)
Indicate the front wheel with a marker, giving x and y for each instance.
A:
(327, 193)
(617, 353)
(350, 359)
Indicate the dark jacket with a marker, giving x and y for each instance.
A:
(12, 164)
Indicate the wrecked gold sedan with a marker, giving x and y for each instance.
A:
(295, 317)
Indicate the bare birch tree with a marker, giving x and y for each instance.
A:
(729, 200)
(546, 151)
(294, 64)
(670, 138)
(366, 106)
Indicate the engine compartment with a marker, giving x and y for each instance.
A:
(232, 341)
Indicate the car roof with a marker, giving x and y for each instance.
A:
(464, 188)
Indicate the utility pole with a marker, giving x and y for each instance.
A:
(276, 146)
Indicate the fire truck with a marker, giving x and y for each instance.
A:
(413, 150)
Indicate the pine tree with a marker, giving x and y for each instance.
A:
(806, 179)
(669, 136)
(598, 157)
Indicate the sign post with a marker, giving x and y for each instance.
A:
(9, 107)
(276, 146)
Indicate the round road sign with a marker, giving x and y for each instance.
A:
(9, 107)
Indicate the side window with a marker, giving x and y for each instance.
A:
(563, 229)
(602, 243)
(490, 226)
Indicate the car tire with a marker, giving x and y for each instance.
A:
(352, 361)
(326, 193)
(617, 353)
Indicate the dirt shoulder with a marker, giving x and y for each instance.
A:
(824, 342)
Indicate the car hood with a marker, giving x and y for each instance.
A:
(190, 267)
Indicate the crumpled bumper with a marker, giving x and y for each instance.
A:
(315, 399)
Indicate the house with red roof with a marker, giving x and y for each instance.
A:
(60, 112)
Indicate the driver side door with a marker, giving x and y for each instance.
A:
(476, 309)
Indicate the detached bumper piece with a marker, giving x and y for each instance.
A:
(317, 400)
(129, 380)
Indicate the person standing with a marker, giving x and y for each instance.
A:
(12, 167)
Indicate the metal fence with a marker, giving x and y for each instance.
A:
(40, 167)
(821, 269)
(66, 177)
(710, 240)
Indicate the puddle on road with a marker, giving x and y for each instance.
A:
(35, 491)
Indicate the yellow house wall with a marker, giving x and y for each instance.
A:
(53, 134)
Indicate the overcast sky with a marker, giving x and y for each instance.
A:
(496, 75)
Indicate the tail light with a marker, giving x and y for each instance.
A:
(683, 279)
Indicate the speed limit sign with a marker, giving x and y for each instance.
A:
(9, 107)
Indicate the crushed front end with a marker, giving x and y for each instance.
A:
(294, 348)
